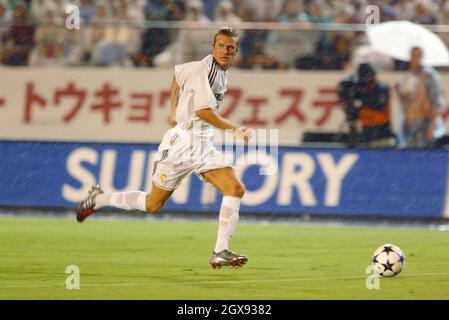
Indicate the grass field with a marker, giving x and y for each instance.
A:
(155, 259)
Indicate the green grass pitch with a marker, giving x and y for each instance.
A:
(160, 259)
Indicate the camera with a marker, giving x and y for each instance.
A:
(365, 101)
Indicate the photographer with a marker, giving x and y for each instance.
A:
(367, 101)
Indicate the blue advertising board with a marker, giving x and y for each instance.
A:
(317, 181)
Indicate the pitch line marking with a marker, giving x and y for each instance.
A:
(140, 284)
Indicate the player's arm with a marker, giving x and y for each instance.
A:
(174, 94)
(214, 118)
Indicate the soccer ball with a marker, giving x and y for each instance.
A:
(388, 260)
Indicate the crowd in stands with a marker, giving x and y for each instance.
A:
(114, 32)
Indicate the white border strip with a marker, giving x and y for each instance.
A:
(446, 205)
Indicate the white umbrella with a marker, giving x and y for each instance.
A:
(396, 38)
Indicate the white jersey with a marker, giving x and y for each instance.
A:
(188, 147)
(202, 85)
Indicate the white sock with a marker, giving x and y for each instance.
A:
(124, 200)
(227, 221)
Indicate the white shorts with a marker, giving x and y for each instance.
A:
(180, 153)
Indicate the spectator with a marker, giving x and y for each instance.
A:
(12, 4)
(74, 51)
(210, 8)
(191, 44)
(20, 37)
(60, 6)
(253, 47)
(87, 10)
(424, 13)
(422, 103)
(319, 14)
(49, 50)
(443, 19)
(360, 10)
(135, 11)
(443, 13)
(109, 48)
(269, 49)
(195, 43)
(224, 13)
(155, 40)
(342, 41)
(39, 10)
(322, 58)
(127, 32)
(5, 20)
(434, 92)
(404, 10)
(289, 45)
(265, 10)
(367, 101)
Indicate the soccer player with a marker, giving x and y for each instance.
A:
(197, 89)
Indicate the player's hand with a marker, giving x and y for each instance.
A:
(244, 133)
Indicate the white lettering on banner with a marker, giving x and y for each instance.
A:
(298, 168)
(257, 197)
(335, 173)
(291, 178)
(77, 171)
(108, 170)
(299, 180)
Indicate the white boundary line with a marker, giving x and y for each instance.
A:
(149, 283)
(446, 205)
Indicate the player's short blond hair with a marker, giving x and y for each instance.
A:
(227, 31)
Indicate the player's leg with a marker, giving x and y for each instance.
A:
(135, 200)
(225, 181)
(131, 200)
(233, 190)
(156, 200)
(165, 180)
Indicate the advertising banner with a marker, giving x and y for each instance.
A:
(317, 181)
(132, 106)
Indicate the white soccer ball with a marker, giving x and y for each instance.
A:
(388, 260)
